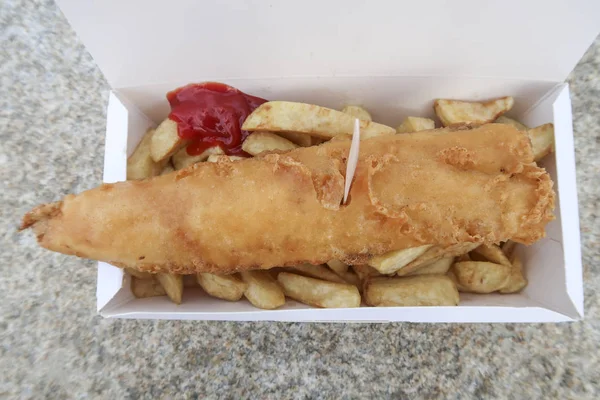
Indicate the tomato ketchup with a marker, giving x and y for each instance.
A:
(211, 114)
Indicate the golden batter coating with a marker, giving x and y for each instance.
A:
(432, 187)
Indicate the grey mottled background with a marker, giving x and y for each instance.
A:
(52, 120)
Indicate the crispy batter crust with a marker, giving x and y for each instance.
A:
(436, 187)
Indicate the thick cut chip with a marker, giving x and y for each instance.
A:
(437, 267)
(259, 142)
(516, 281)
(480, 276)
(509, 121)
(364, 272)
(450, 274)
(352, 278)
(319, 272)
(492, 253)
(318, 293)
(338, 267)
(542, 140)
(263, 291)
(435, 253)
(140, 164)
(226, 287)
(411, 291)
(300, 139)
(285, 116)
(415, 124)
(173, 285)
(452, 112)
(142, 288)
(182, 159)
(358, 112)
(166, 141)
(393, 261)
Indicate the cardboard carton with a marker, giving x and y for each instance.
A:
(392, 57)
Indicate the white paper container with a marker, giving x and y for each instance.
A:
(392, 57)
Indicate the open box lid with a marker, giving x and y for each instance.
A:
(141, 54)
(138, 42)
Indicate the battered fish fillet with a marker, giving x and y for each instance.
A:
(435, 187)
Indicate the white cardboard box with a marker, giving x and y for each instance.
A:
(394, 58)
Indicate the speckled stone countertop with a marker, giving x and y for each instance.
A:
(54, 345)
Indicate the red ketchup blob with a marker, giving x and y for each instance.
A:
(211, 114)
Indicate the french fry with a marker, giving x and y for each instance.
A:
(182, 159)
(415, 124)
(450, 274)
(226, 287)
(435, 253)
(492, 253)
(140, 164)
(338, 267)
(509, 121)
(438, 267)
(516, 280)
(142, 288)
(166, 141)
(219, 157)
(190, 281)
(319, 272)
(452, 112)
(173, 285)
(411, 291)
(365, 272)
(358, 112)
(481, 276)
(318, 293)
(393, 261)
(542, 140)
(352, 278)
(139, 274)
(285, 116)
(262, 291)
(259, 142)
(300, 139)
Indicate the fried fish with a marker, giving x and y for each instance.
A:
(440, 187)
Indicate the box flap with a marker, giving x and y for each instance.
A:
(115, 146)
(110, 280)
(197, 306)
(122, 118)
(567, 187)
(139, 42)
(558, 286)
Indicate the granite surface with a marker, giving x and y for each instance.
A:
(54, 345)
